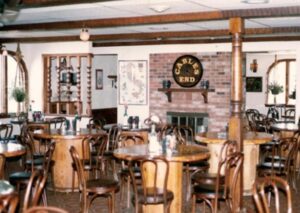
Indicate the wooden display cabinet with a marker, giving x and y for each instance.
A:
(65, 75)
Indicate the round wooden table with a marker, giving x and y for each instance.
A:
(285, 127)
(12, 150)
(62, 169)
(185, 153)
(252, 140)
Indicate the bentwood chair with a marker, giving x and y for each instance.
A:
(282, 160)
(5, 132)
(186, 136)
(22, 178)
(112, 144)
(45, 209)
(126, 140)
(9, 202)
(35, 189)
(93, 148)
(212, 187)
(268, 186)
(2, 166)
(92, 188)
(151, 187)
(57, 122)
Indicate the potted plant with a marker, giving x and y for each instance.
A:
(275, 89)
(19, 95)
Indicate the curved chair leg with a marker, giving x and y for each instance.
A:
(193, 203)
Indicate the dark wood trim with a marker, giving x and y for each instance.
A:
(160, 19)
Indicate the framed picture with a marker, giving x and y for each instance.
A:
(99, 79)
(253, 84)
(133, 82)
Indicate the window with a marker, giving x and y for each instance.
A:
(8, 69)
(283, 72)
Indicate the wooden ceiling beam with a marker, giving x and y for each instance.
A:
(46, 3)
(158, 35)
(160, 19)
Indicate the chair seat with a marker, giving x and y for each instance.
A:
(153, 198)
(207, 189)
(136, 171)
(207, 178)
(103, 185)
(268, 165)
(19, 177)
(36, 162)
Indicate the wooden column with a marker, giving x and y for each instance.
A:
(78, 85)
(89, 85)
(58, 71)
(49, 91)
(235, 122)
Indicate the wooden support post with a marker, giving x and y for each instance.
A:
(235, 121)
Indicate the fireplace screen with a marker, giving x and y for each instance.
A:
(197, 121)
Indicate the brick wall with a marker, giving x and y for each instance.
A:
(216, 68)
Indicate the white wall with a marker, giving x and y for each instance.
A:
(257, 100)
(32, 56)
(106, 97)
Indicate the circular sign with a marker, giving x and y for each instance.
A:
(187, 71)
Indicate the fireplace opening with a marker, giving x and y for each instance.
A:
(197, 121)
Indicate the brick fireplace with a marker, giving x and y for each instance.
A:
(216, 68)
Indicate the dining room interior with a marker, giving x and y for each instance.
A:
(107, 77)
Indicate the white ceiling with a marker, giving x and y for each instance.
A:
(136, 8)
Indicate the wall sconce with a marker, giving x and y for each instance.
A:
(113, 79)
(254, 65)
(84, 34)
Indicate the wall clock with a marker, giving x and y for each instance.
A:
(187, 71)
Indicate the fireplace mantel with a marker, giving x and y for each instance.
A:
(168, 92)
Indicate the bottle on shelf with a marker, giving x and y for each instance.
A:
(125, 116)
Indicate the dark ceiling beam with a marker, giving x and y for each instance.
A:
(158, 35)
(46, 3)
(160, 19)
(149, 42)
(196, 41)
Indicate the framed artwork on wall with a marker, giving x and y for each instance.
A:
(253, 84)
(133, 82)
(99, 79)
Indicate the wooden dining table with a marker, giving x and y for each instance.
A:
(284, 129)
(62, 168)
(184, 153)
(12, 149)
(252, 140)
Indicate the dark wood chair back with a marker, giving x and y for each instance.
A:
(94, 146)
(185, 134)
(57, 122)
(130, 138)
(45, 209)
(34, 189)
(5, 132)
(9, 202)
(168, 129)
(113, 136)
(268, 186)
(154, 179)
(96, 123)
(2, 166)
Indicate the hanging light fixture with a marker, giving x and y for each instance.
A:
(84, 34)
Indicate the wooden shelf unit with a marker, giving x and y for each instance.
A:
(67, 67)
(169, 92)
